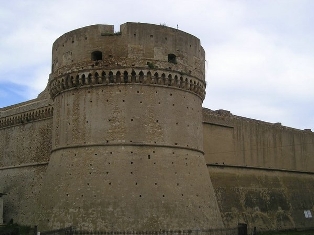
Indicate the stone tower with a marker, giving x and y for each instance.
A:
(127, 142)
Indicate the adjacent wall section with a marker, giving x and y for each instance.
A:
(262, 173)
(25, 145)
(238, 141)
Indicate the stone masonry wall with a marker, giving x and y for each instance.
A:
(262, 173)
(25, 145)
(267, 200)
(238, 141)
(127, 124)
(119, 141)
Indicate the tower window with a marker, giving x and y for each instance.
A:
(96, 55)
(172, 58)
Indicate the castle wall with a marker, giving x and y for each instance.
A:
(267, 200)
(233, 140)
(25, 145)
(262, 173)
(119, 141)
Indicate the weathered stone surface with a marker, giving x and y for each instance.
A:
(252, 143)
(127, 141)
(268, 200)
(119, 141)
(262, 173)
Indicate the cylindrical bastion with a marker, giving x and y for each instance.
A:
(127, 141)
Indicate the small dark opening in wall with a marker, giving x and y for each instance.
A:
(96, 55)
(172, 58)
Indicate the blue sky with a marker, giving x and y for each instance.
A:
(259, 53)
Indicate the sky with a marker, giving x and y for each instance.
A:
(259, 53)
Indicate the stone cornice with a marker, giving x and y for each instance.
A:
(26, 117)
(100, 77)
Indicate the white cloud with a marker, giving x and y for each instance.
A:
(257, 71)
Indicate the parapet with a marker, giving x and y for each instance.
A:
(225, 117)
(135, 45)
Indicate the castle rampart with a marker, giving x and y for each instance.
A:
(25, 146)
(252, 143)
(262, 172)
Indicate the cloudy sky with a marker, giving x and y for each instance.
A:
(259, 53)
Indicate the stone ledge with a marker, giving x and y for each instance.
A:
(127, 76)
(26, 117)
